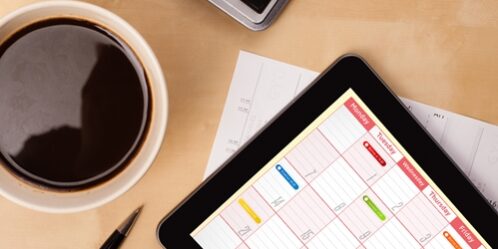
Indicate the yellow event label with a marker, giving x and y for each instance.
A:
(249, 211)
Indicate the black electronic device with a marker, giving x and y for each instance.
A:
(254, 14)
(345, 165)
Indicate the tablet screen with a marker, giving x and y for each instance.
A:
(343, 182)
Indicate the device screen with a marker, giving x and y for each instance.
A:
(343, 182)
(257, 5)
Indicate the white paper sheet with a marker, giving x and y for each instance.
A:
(261, 87)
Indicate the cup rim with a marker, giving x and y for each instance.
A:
(154, 137)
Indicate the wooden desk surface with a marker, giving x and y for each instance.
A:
(443, 53)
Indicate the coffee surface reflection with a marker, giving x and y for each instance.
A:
(73, 103)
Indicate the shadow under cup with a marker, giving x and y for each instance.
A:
(74, 104)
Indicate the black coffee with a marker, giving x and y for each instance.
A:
(74, 103)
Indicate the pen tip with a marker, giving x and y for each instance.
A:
(139, 209)
(127, 224)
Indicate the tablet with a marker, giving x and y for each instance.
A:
(345, 165)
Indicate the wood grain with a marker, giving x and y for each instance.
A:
(442, 53)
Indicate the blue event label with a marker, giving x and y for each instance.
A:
(287, 177)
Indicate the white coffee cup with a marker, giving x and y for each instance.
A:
(47, 200)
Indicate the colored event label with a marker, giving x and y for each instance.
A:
(451, 240)
(287, 177)
(249, 211)
(374, 208)
(374, 153)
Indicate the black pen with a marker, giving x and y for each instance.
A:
(117, 237)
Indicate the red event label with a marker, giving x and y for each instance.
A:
(466, 234)
(359, 114)
(412, 173)
(374, 153)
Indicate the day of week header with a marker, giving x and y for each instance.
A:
(466, 234)
(359, 114)
(413, 174)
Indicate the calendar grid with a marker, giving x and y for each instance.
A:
(233, 230)
(365, 190)
(373, 183)
(369, 187)
(276, 213)
(270, 217)
(433, 237)
(394, 215)
(337, 216)
(340, 220)
(309, 183)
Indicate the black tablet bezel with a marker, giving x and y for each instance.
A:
(347, 72)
